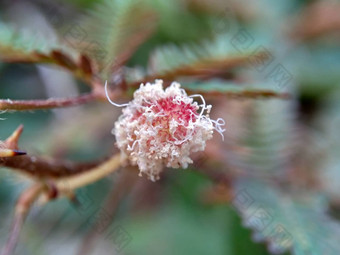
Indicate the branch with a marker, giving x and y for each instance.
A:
(23, 206)
(39, 167)
(45, 170)
(24, 105)
(68, 184)
(62, 186)
(71, 175)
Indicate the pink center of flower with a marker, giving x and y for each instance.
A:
(168, 113)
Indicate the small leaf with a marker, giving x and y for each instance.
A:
(114, 30)
(218, 55)
(285, 222)
(24, 46)
(63, 60)
(85, 64)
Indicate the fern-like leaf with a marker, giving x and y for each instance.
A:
(286, 223)
(114, 30)
(268, 145)
(24, 46)
(211, 58)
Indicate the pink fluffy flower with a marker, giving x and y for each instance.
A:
(162, 128)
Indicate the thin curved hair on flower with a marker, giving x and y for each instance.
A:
(163, 127)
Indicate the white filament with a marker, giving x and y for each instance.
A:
(203, 105)
(109, 99)
(217, 123)
(218, 126)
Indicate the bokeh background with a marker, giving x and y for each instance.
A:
(294, 141)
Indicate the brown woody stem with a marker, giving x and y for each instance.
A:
(64, 186)
(68, 184)
(24, 105)
(45, 168)
(23, 206)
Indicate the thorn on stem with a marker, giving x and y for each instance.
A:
(12, 141)
(5, 153)
(18, 153)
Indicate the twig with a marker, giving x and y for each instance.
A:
(39, 167)
(23, 206)
(68, 184)
(24, 105)
(69, 174)
(65, 186)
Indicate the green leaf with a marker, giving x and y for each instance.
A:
(241, 241)
(222, 53)
(286, 221)
(268, 143)
(220, 57)
(325, 149)
(26, 46)
(317, 70)
(115, 29)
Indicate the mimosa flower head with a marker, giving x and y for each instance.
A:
(163, 127)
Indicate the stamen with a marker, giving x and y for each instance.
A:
(133, 145)
(218, 126)
(203, 105)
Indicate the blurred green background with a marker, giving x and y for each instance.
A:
(170, 216)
